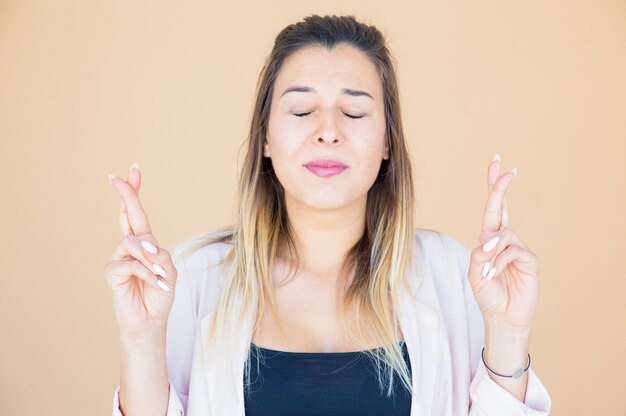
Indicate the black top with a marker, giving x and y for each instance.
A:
(321, 384)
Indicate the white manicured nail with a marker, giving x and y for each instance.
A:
(491, 273)
(490, 244)
(485, 269)
(150, 248)
(111, 177)
(514, 171)
(134, 166)
(162, 285)
(496, 157)
(159, 270)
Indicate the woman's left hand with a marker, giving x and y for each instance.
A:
(507, 296)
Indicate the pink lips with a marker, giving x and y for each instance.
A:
(326, 168)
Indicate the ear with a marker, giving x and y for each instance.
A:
(266, 149)
(386, 153)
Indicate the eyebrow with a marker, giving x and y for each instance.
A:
(348, 91)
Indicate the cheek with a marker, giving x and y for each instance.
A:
(370, 165)
(284, 149)
(364, 130)
(286, 158)
(280, 137)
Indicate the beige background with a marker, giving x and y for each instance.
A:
(89, 87)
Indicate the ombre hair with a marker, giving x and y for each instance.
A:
(379, 261)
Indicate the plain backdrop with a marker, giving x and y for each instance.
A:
(89, 87)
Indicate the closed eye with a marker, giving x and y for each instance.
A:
(306, 114)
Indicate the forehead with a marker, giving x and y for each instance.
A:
(328, 71)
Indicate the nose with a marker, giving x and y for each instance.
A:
(323, 139)
(328, 131)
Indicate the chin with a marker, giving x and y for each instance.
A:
(325, 201)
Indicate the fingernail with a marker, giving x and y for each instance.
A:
(485, 269)
(159, 270)
(514, 171)
(491, 273)
(490, 244)
(496, 157)
(162, 285)
(134, 166)
(150, 248)
(111, 177)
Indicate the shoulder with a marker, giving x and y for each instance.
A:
(429, 243)
(442, 264)
(202, 249)
(201, 261)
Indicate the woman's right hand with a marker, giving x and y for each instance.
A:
(132, 272)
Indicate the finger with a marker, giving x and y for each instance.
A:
(508, 255)
(482, 256)
(120, 272)
(141, 248)
(506, 237)
(134, 177)
(125, 229)
(492, 217)
(493, 172)
(134, 180)
(136, 215)
(505, 213)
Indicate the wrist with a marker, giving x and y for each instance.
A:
(499, 330)
(143, 375)
(506, 348)
(142, 343)
(506, 353)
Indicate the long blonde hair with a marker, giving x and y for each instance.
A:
(379, 260)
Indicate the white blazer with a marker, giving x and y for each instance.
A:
(449, 377)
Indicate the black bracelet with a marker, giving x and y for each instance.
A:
(517, 374)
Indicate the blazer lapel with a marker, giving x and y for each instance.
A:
(420, 326)
(225, 378)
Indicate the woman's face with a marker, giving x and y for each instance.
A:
(315, 122)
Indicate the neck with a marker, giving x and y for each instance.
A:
(323, 238)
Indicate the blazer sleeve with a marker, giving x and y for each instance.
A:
(174, 406)
(486, 397)
(179, 341)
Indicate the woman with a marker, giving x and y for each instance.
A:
(323, 299)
